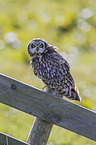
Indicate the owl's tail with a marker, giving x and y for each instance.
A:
(75, 94)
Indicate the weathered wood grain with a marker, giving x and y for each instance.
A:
(48, 107)
(39, 132)
(8, 140)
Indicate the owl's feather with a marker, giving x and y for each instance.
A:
(54, 71)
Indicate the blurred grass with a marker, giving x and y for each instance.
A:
(68, 25)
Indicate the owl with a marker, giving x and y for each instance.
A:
(52, 68)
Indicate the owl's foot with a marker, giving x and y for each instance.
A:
(44, 87)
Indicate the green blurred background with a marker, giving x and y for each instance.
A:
(69, 25)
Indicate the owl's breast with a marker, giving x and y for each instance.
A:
(38, 66)
(35, 65)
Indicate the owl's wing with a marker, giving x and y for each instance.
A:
(68, 80)
(56, 56)
(58, 69)
(57, 75)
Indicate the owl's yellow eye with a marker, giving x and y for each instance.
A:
(32, 45)
(41, 45)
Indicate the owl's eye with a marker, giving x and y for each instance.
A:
(41, 45)
(32, 45)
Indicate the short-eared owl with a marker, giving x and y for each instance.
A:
(52, 68)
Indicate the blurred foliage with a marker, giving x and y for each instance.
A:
(69, 25)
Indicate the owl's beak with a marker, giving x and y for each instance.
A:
(37, 49)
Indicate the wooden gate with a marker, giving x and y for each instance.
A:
(48, 110)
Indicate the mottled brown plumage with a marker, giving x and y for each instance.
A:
(52, 68)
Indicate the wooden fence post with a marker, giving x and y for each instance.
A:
(41, 129)
(39, 133)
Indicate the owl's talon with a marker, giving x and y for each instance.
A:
(44, 87)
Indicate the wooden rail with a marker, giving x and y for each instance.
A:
(8, 140)
(48, 107)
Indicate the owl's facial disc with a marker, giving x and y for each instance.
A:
(37, 46)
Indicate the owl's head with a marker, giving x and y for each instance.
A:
(37, 46)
